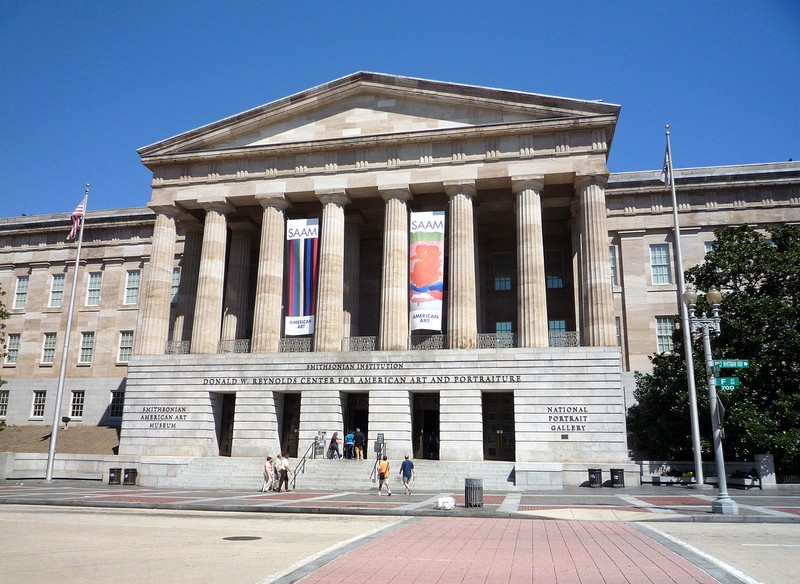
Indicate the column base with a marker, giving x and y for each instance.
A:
(725, 506)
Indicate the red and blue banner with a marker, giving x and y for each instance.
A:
(426, 270)
(302, 239)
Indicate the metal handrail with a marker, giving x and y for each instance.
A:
(301, 466)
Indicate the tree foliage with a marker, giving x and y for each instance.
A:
(759, 278)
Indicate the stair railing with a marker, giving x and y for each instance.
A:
(301, 466)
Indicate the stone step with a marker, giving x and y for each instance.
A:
(436, 476)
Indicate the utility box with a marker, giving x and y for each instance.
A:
(130, 476)
(617, 477)
(595, 477)
(114, 476)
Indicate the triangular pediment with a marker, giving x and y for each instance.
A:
(365, 105)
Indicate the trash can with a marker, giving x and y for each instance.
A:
(617, 477)
(130, 476)
(114, 476)
(595, 477)
(473, 492)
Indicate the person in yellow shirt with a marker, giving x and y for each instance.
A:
(383, 476)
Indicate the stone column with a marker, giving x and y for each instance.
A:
(234, 319)
(154, 325)
(393, 326)
(532, 329)
(269, 287)
(208, 306)
(187, 288)
(329, 320)
(462, 324)
(597, 309)
(352, 272)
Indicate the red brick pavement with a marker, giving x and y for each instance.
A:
(792, 510)
(509, 551)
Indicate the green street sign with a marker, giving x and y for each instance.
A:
(732, 363)
(727, 383)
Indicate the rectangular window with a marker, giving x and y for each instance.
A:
(125, 346)
(612, 252)
(176, 282)
(93, 291)
(117, 403)
(503, 327)
(132, 287)
(12, 349)
(659, 263)
(87, 348)
(56, 291)
(502, 271)
(557, 326)
(665, 325)
(39, 397)
(554, 269)
(21, 292)
(3, 403)
(618, 329)
(710, 245)
(76, 404)
(49, 348)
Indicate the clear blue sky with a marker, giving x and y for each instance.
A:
(84, 84)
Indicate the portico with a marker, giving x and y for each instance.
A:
(520, 180)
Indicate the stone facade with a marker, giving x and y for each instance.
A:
(536, 357)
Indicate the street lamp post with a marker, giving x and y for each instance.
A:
(723, 503)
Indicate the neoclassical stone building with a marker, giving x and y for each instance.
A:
(284, 292)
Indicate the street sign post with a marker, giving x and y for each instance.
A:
(732, 363)
(727, 383)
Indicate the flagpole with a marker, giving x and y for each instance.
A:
(687, 333)
(60, 392)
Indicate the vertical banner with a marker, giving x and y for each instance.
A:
(302, 242)
(426, 270)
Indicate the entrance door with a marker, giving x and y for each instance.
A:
(290, 427)
(356, 413)
(425, 425)
(498, 426)
(225, 438)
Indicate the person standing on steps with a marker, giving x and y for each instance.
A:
(383, 476)
(282, 468)
(349, 443)
(359, 440)
(408, 474)
(333, 447)
(269, 476)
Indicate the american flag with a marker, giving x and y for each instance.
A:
(76, 217)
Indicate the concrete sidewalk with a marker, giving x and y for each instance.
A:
(635, 534)
(641, 503)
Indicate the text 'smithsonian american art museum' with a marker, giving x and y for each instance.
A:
(450, 268)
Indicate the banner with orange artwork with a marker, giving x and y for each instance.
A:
(426, 270)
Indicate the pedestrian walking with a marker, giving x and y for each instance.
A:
(349, 444)
(283, 470)
(269, 476)
(333, 447)
(383, 476)
(359, 440)
(408, 474)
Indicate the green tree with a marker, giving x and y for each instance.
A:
(760, 281)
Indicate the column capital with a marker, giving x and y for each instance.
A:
(171, 211)
(585, 180)
(460, 187)
(337, 197)
(220, 206)
(527, 181)
(274, 201)
(399, 192)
